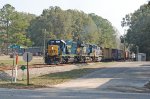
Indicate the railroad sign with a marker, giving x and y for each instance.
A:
(23, 67)
(27, 56)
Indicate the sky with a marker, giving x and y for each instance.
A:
(112, 10)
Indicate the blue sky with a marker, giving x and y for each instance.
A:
(113, 10)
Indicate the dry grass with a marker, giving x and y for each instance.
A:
(47, 80)
(7, 61)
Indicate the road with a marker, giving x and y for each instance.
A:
(118, 81)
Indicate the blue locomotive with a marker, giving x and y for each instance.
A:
(60, 51)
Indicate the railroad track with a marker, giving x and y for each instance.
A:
(30, 66)
(2, 68)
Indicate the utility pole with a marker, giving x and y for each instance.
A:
(7, 35)
(137, 49)
(44, 44)
(124, 44)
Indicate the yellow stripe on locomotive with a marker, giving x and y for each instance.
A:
(53, 50)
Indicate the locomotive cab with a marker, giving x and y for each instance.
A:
(55, 49)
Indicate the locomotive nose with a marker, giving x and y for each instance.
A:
(52, 50)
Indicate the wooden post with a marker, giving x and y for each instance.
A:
(27, 71)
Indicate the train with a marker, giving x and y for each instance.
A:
(61, 51)
(110, 54)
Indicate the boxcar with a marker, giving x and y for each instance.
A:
(119, 54)
(107, 54)
(114, 54)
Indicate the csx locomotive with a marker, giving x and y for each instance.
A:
(60, 51)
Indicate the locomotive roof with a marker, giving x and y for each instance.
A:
(59, 40)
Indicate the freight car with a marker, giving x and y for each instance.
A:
(60, 51)
(107, 54)
(115, 54)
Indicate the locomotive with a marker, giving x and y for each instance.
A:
(60, 51)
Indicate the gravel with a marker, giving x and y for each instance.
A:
(34, 72)
(4, 76)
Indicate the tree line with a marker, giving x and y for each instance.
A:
(27, 29)
(138, 34)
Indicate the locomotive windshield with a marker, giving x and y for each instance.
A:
(60, 43)
(54, 42)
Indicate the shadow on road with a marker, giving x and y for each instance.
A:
(123, 79)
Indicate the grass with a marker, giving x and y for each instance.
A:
(10, 62)
(48, 79)
(6, 61)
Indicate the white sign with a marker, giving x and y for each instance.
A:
(27, 56)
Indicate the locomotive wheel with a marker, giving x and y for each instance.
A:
(75, 60)
(66, 60)
(84, 59)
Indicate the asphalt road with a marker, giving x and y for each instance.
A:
(117, 81)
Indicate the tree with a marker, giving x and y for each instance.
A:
(139, 33)
(73, 25)
(107, 33)
(12, 24)
(7, 14)
(19, 27)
